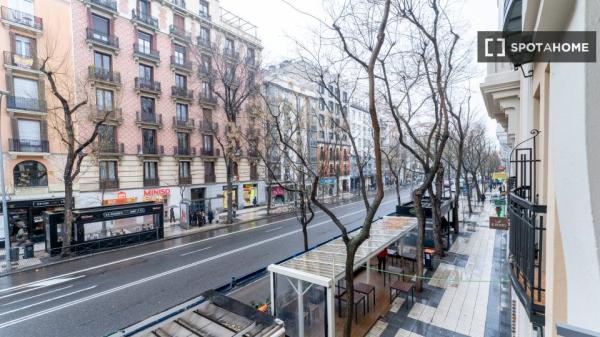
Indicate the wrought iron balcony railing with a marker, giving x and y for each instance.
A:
(102, 38)
(181, 63)
(180, 33)
(28, 145)
(109, 183)
(207, 126)
(104, 75)
(178, 3)
(207, 99)
(144, 19)
(113, 115)
(151, 182)
(149, 118)
(146, 52)
(183, 123)
(182, 92)
(21, 61)
(22, 18)
(146, 84)
(209, 178)
(182, 151)
(111, 148)
(210, 152)
(107, 4)
(185, 180)
(25, 103)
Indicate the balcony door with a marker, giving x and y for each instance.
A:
(107, 139)
(108, 170)
(179, 54)
(149, 141)
(146, 73)
(144, 42)
(102, 62)
(207, 143)
(100, 27)
(26, 94)
(104, 100)
(24, 46)
(25, 6)
(179, 22)
(144, 8)
(182, 112)
(29, 135)
(180, 81)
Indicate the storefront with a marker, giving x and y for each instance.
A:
(250, 195)
(25, 218)
(103, 228)
(233, 193)
(327, 185)
(278, 194)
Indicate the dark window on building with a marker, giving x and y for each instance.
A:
(184, 169)
(182, 112)
(102, 61)
(147, 104)
(182, 140)
(146, 72)
(101, 27)
(30, 174)
(150, 170)
(180, 81)
(149, 141)
(144, 42)
(104, 100)
(144, 7)
(106, 137)
(203, 11)
(108, 170)
(179, 54)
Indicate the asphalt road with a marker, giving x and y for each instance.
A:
(98, 295)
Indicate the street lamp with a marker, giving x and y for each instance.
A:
(4, 191)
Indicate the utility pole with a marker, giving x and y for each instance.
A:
(4, 191)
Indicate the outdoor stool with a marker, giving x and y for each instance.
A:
(365, 289)
(390, 271)
(402, 287)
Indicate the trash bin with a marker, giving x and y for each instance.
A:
(14, 254)
(428, 258)
(28, 251)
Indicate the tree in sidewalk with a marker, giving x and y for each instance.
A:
(477, 149)
(396, 158)
(231, 77)
(417, 74)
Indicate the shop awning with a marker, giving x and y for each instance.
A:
(326, 263)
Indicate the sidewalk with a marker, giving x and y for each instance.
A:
(467, 295)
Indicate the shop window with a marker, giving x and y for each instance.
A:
(30, 174)
(116, 227)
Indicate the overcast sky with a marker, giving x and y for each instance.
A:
(277, 22)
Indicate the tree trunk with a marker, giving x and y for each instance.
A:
(418, 199)
(436, 211)
(468, 189)
(459, 164)
(398, 195)
(67, 224)
(477, 188)
(229, 191)
(349, 273)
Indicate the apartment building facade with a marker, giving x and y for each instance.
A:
(32, 151)
(549, 113)
(150, 68)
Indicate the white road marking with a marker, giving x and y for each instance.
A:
(196, 251)
(168, 272)
(273, 229)
(38, 295)
(34, 283)
(48, 300)
(43, 284)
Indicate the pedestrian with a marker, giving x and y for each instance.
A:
(482, 198)
(171, 215)
(254, 201)
(381, 260)
(234, 206)
(194, 218)
(211, 216)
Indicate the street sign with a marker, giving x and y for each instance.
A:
(498, 223)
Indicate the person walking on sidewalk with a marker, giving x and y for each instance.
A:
(211, 216)
(171, 215)
(381, 260)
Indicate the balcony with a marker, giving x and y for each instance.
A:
(104, 76)
(208, 127)
(144, 20)
(210, 152)
(254, 175)
(151, 182)
(28, 145)
(207, 99)
(25, 104)
(183, 125)
(108, 183)
(147, 85)
(182, 93)
(183, 151)
(204, 72)
(114, 116)
(178, 5)
(105, 5)
(185, 180)
(180, 34)
(22, 20)
(111, 149)
(147, 119)
(26, 63)
(146, 53)
(102, 40)
(231, 54)
(181, 64)
(204, 44)
(210, 178)
(149, 150)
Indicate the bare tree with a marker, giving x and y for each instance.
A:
(396, 161)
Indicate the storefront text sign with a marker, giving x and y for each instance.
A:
(157, 191)
(498, 223)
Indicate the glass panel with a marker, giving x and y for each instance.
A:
(110, 228)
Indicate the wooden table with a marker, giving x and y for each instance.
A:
(357, 299)
(365, 289)
(402, 287)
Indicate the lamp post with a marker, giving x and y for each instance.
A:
(4, 191)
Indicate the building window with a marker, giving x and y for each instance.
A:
(181, 111)
(108, 170)
(147, 105)
(144, 8)
(23, 46)
(182, 142)
(100, 27)
(206, 63)
(234, 168)
(106, 138)
(209, 171)
(179, 54)
(180, 81)
(146, 73)
(184, 169)
(204, 38)
(206, 89)
(144, 42)
(149, 141)
(25, 88)
(207, 142)
(251, 55)
(179, 22)
(104, 100)
(30, 174)
(207, 116)
(203, 11)
(229, 46)
(150, 170)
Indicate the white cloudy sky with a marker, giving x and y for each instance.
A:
(277, 22)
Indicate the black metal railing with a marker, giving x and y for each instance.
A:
(29, 145)
(22, 61)
(108, 4)
(25, 103)
(231, 53)
(183, 123)
(182, 92)
(253, 153)
(207, 126)
(151, 182)
(144, 18)
(149, 149)
(146, 51)
(209, 178)
(100, 114)
(180, 33)
(203, 43)
(22, 18)
(182, 151)
(103, 38)
(105, 75)
(185, 180)
(110, 147)
(181, 63)
(208, 99)
(142, 83)
(148, 117)
(210, 152)
(109, 183)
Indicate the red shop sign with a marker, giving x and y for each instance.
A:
(157, 191)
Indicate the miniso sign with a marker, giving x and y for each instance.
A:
(524, 47)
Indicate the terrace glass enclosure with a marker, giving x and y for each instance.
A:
(302, 288)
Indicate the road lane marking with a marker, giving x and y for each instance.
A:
(43, 284)
(165, 273)
(38, 295)
(48, 300)
(273, 229)
(34, 283)
(196, 251)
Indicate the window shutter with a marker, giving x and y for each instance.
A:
(15, 127)
(44, 129)
(9, 83)
(41, 90)
(34, 51)
(12, 41)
